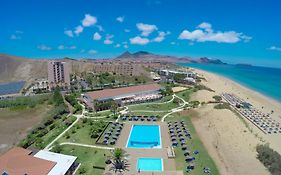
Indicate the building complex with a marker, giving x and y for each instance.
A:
(122, 96)
(19, 161)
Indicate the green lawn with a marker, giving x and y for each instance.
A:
(185, 94)
(154, 107)
(88, 157)
(202, 159)
(82, 131)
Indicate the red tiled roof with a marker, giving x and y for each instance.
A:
(107, 93)
(18, 161)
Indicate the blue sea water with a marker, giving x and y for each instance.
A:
(265, 80)
(144, 136)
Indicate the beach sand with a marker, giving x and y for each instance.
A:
(231, 141)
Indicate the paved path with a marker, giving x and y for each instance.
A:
(86, 145)
(177, 109)
(58, 137)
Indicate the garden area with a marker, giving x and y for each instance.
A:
(86, 131)
(156, 107)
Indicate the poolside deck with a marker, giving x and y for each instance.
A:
(134, 154)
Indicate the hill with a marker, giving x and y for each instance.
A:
(147, 56)
(13, 68)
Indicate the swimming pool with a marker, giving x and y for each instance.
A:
(150, 164)
(144, 136)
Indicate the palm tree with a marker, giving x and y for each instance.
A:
(119, 161)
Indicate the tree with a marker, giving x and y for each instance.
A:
(57, 97)
(179, 77)
(119, 162)
(114, 108)
(57, 148)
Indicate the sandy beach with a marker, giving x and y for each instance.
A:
(230, 141)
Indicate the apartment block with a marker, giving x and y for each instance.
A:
(58, 74)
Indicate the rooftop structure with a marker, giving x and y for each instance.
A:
(122, 96)
(123, 92)
(63, 162)
(19, 161)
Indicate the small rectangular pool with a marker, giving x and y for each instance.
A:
(144, 136)
(150, 164)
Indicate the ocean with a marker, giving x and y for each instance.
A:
(265, 80)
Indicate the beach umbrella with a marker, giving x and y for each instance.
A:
(186, 152)
(184, 147)
(175, 143)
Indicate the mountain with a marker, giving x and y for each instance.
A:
(205, 60)
(147, 56)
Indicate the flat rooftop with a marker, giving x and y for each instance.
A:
(19, 161)
(110, 93)
(63, 162)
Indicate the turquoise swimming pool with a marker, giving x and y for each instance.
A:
(150, 164)
(144, 136)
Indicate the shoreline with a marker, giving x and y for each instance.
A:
(243, 85)
(257, 97)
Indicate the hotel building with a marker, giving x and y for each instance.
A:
(58, 74)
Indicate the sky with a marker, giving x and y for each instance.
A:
(235, 31)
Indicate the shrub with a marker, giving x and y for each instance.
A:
(270, 159)
(217, 98)
(222, 106)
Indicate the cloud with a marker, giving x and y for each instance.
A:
(79, 29)
(62, 47)
(15, 37)
(117, 45)
(108, 39)
(68, 33)
(161, 36)
(19, 32)
(92, 52)
(44, 47)
(120, 19)
(96, 36)
(89, 20)
(205, 33)
(146, 29)
(127, 30)
(126, 46)
(72, 47)
(139, 40)
(275, 48)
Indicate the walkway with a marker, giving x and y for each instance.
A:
(86, 145)
(174, 110)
